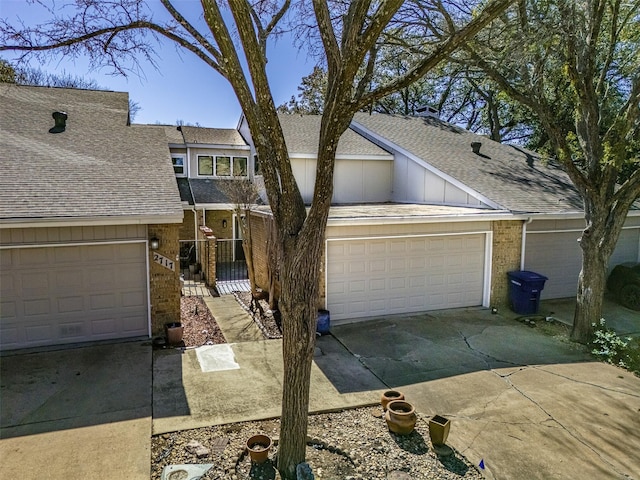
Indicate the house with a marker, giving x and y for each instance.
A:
(89, 220)
(206, 162)
(429, 216)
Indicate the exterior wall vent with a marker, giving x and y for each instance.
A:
(475, 146)
(60, 119)
(427, 111)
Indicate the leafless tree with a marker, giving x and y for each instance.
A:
(233, 41)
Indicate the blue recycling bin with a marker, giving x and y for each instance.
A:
(323, 325)
(524, 291)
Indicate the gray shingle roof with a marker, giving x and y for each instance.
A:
(207, 191)
(213, 136)
(97, 167)
(512, 177)
(302, 133)
(173, 134)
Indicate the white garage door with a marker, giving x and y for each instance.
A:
(373, 277)
(557, 255)
(68, 294)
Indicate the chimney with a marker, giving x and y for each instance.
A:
(61, 122)
(475, 146)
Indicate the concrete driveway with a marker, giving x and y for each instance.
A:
(77, 413)
(526, 404)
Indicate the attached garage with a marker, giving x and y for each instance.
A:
(552, 250)
(72, 293)
(382, 276)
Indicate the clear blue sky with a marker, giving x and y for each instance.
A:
(182, 87)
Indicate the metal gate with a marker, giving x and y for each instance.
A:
(230, 261)
(194, 261)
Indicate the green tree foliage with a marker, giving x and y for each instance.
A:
(575, 67)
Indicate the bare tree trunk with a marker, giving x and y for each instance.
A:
(591, 286)
(298, 304)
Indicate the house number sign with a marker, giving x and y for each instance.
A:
(164, 261)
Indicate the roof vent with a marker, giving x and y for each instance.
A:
(427, 111)
(475, 146)
(61, 122)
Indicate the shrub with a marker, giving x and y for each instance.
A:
(609, 347)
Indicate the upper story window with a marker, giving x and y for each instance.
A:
(239, 166)
(205, 165)
(178, 164)
(222, 166)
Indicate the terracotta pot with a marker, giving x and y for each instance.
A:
(401, 417)
(174, 332)
(439, 429)
(389, 396)
(259, 446)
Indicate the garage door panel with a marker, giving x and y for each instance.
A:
(71, 304)
(73, 293)
(419, 274)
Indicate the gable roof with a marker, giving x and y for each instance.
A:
(213, 136)
(98, 170)
(511, 177)
(302, 134)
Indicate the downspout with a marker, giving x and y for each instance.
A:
(524, 240)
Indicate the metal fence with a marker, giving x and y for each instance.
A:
(230, 261)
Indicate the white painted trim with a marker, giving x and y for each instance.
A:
(630, 227)
(148, 268)
(218, 146)
(411, 235)
(380, 141)
(471, 217)
(343, 156)
(70, 244)
(89, 221)
(524, 244)
(488, 266)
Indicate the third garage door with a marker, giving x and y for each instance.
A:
(373, 277)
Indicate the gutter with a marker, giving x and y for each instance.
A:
(94, 221)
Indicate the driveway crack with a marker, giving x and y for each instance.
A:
(551, 418)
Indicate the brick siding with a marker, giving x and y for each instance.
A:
(507, 252)
(164, 283)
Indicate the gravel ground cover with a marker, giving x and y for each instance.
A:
(346, 445)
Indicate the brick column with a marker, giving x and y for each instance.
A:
(164, 284)
(507, 252)
(208, 263)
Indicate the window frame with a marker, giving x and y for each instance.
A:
(183, 158)
(212, 157)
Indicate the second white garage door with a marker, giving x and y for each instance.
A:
(373, 277)
(557, 256)
(75, 293)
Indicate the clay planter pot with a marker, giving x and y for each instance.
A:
(174, 332)
(258, 447)
(401, 417)
(389, 396)
(439, 429)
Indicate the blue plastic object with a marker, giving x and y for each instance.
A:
(324, 322)
(524, 291)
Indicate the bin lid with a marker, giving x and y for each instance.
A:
(526, 276)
